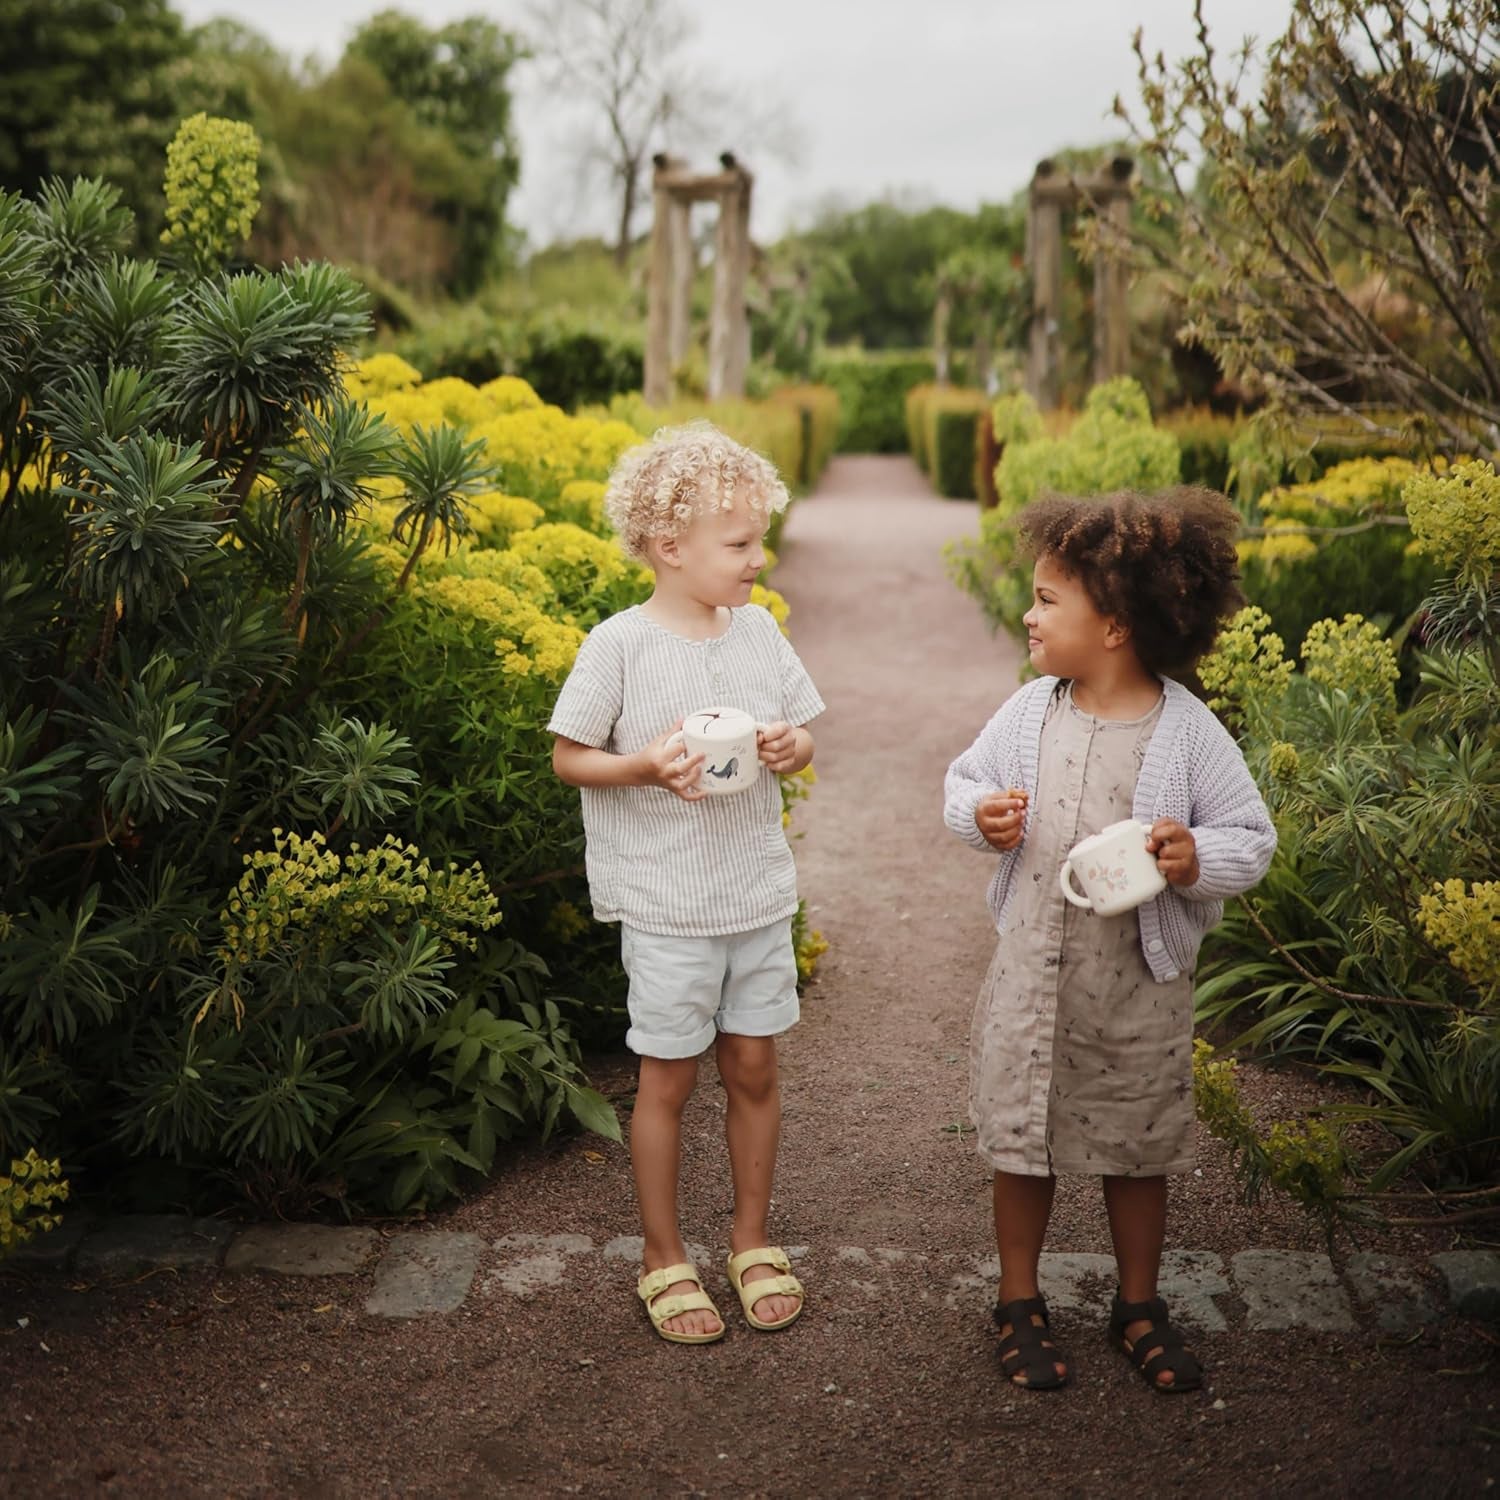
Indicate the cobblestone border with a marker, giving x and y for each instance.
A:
(424, 1273)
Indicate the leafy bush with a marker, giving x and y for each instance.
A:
(568, 361)
(1369, 949)
(942, 424)
(818, 410)
(1203, 440)
(872, 391)
(230, 957)
(1111, 446)
(1336, 545)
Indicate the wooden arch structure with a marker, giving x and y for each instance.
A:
(1108, 192)
(670, 286)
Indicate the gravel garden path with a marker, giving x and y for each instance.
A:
(500, 1350)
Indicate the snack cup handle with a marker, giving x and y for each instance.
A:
(1065, 883)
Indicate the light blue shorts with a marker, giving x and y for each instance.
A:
(684, 990)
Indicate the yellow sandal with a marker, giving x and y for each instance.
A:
(784, 1285)
(652, 1284)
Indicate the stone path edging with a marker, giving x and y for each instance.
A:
(426, 1273)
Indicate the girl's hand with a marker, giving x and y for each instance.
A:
(1176, 851)
(1001, 818)
(777, 747)
(665, 765)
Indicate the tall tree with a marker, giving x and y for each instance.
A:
(456, 80)
(92, 88)
(626, 66)
(1340, 247)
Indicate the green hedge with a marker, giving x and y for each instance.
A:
(818, 409)
(872, 390)
(943, 432)
(567, 361)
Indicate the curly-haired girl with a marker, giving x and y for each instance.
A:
(1081, 1049)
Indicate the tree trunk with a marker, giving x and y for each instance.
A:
(629, 186)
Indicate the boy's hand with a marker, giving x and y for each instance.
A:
(1176, 851)
(1001, 818)
(777, 746)
(667, 765)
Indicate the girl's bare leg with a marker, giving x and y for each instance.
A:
(1022, 1208)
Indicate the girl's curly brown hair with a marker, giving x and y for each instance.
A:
(1163, 564)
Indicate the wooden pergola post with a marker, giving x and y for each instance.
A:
(670, 279)
(1109, 193)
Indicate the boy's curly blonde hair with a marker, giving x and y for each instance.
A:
(658, 488)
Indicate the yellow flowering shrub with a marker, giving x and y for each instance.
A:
(582, 502)
(525, 639)
(507, 393)
(1248, 663)
(1334, 546)
(463, 405)
(770, 600)
(1464, 924)
(1305, 1159)
(212, 190)
(579, 564)
(302, 891)
(405, 409)
(27, 1194)
(379, 375)
(1455, 516)
(1354, 655)
(496, 518)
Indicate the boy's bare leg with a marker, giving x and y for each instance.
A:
(665, 1086)
(747, 1064)
(1022, 1208)
(1138, 1225)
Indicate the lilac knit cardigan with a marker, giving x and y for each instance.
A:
(1193, 772)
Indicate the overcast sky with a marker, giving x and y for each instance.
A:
(945, 101)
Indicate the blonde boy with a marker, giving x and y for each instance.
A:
(703, 887)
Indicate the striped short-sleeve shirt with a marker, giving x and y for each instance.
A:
(685, 869)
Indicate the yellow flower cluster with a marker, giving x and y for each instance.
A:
(769, 599)
(1347, 493)
(1248, 662)
(1352, 654)
(1456, 516)
(211, 187)
(26, 1198)
(576, 562)
(812, 946)
(1465, 925)
(496, 518)
(1284, 760)
(301, 891)
(582, 503)
(526, 639)
(508, 393)
(379, 375)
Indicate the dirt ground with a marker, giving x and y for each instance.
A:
(203, 1384)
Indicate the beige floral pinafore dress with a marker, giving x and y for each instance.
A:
(1079, 1060)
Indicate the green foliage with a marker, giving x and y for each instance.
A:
(872, 395)
(817, 408)
(568, 360)
(236, 939)
(27, 1196)
(1336, 545)
(92, 88)
(1112, 446)
(1368, 950)
(212, 190)
(942, 424)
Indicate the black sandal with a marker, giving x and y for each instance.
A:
(1026, 1346)
(1157, 1351)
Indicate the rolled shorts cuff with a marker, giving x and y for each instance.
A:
(670, 1048)
(768, 1020)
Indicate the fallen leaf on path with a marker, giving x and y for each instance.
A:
(326, 1307)
(593, 1156)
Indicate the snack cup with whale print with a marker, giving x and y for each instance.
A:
(725, 738)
